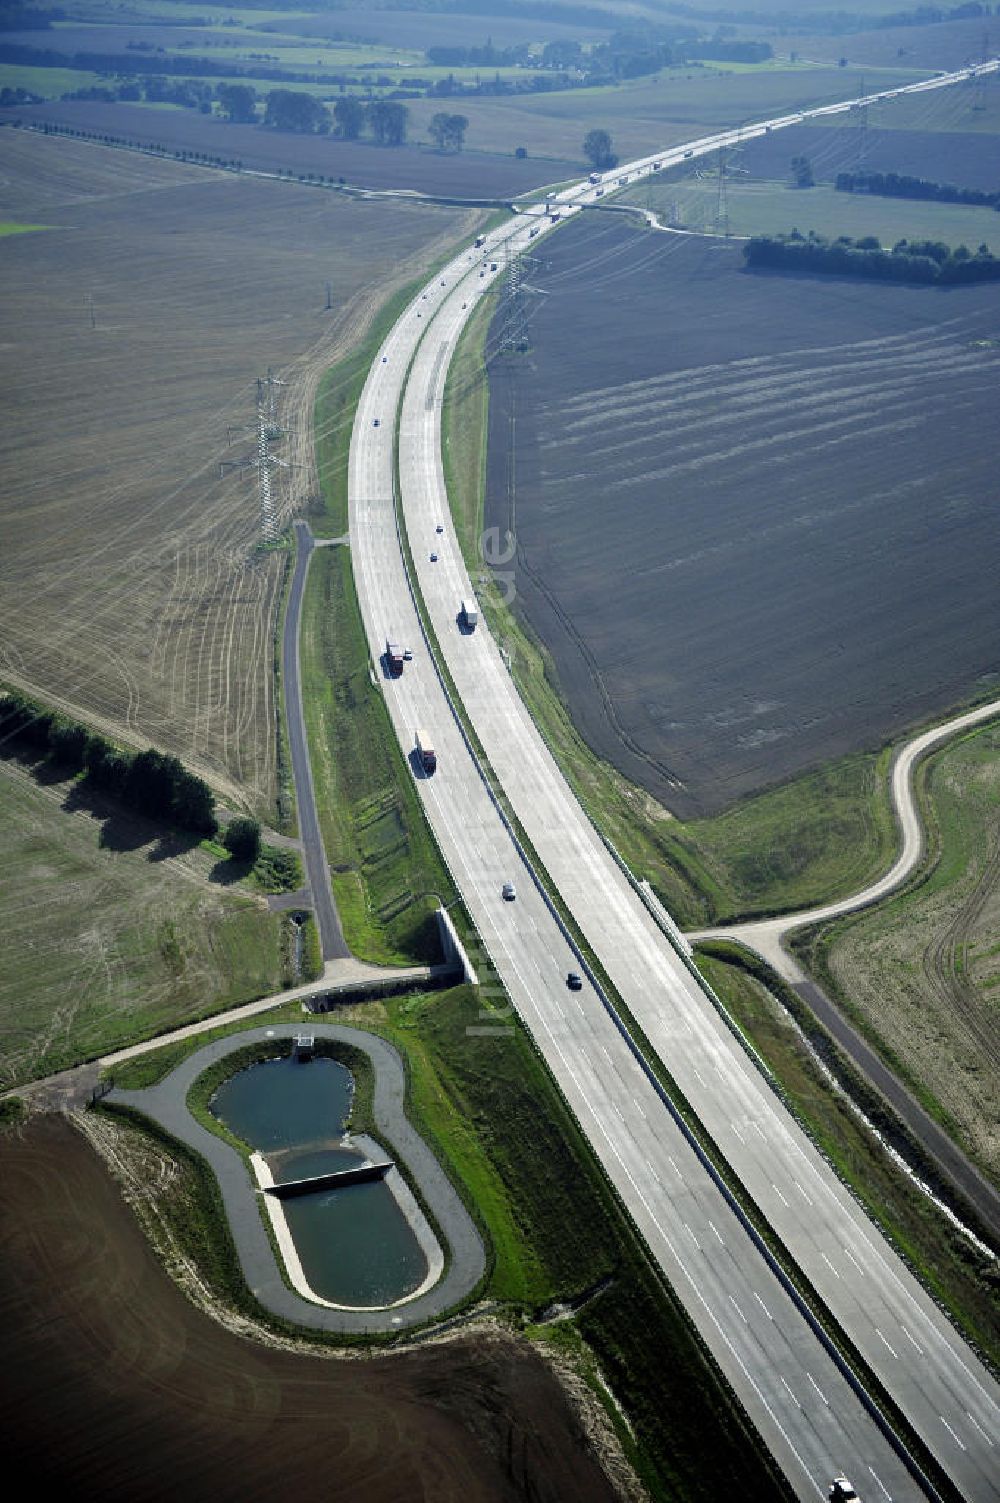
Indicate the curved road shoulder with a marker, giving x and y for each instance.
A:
(767, 936)
(166, 1104)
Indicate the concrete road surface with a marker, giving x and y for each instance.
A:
(795, 1392)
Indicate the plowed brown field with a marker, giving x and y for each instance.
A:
(135, 328)
(114, 1387)
(754, 514)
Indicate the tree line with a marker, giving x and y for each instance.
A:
(385, 119)
(926, 261)
(150, 782)
(895, 185)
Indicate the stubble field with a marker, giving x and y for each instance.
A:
(472, 173)
(752, 513)
(133, 591)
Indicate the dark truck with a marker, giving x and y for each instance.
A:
(425, 751)
(393, 657)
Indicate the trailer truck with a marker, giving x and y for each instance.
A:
(393, 656)
(425, 751)
(470, 614)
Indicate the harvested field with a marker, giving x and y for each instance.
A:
(959, 156)
(947, 45)
(767, 208)
(114, 929)
(753, 513)
(151, 1400)
(672, 106)
(136, 327)
(469, 174)
(422, 29)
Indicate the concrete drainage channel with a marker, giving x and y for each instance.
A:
(450, 1279)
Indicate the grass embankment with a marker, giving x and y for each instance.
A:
(817, 837)
(962, 1279)
(490, 1110)
(919, 975)
(386, 871)
(385, 868)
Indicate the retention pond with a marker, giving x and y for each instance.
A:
(354, 1243)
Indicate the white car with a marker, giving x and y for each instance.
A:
(841, 1491)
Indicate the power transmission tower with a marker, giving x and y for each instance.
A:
(722, 203)
(514, 334)
(329, 300)
(979, 80)
(90, 310)
(861, 155)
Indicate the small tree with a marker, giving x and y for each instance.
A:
(521, 153)
(238, 102)
(289, 110)
(802, 173)
(242, 839)
(597, 149)
(349, 113)
(448, 131)
(388, 122)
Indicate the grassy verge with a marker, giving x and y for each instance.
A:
(385, 867)
(285, 783)
(959, 1277)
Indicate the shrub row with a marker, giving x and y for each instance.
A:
(927, 261)
(150, 782)
(894, 185)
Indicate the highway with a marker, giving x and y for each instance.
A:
(786, 1378)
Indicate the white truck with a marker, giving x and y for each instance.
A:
(469, 614)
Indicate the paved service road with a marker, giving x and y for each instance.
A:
(166, 1104)
(792, 1388)
(318, 872)
(767, 937)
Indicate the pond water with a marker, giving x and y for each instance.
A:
(354, 1243)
